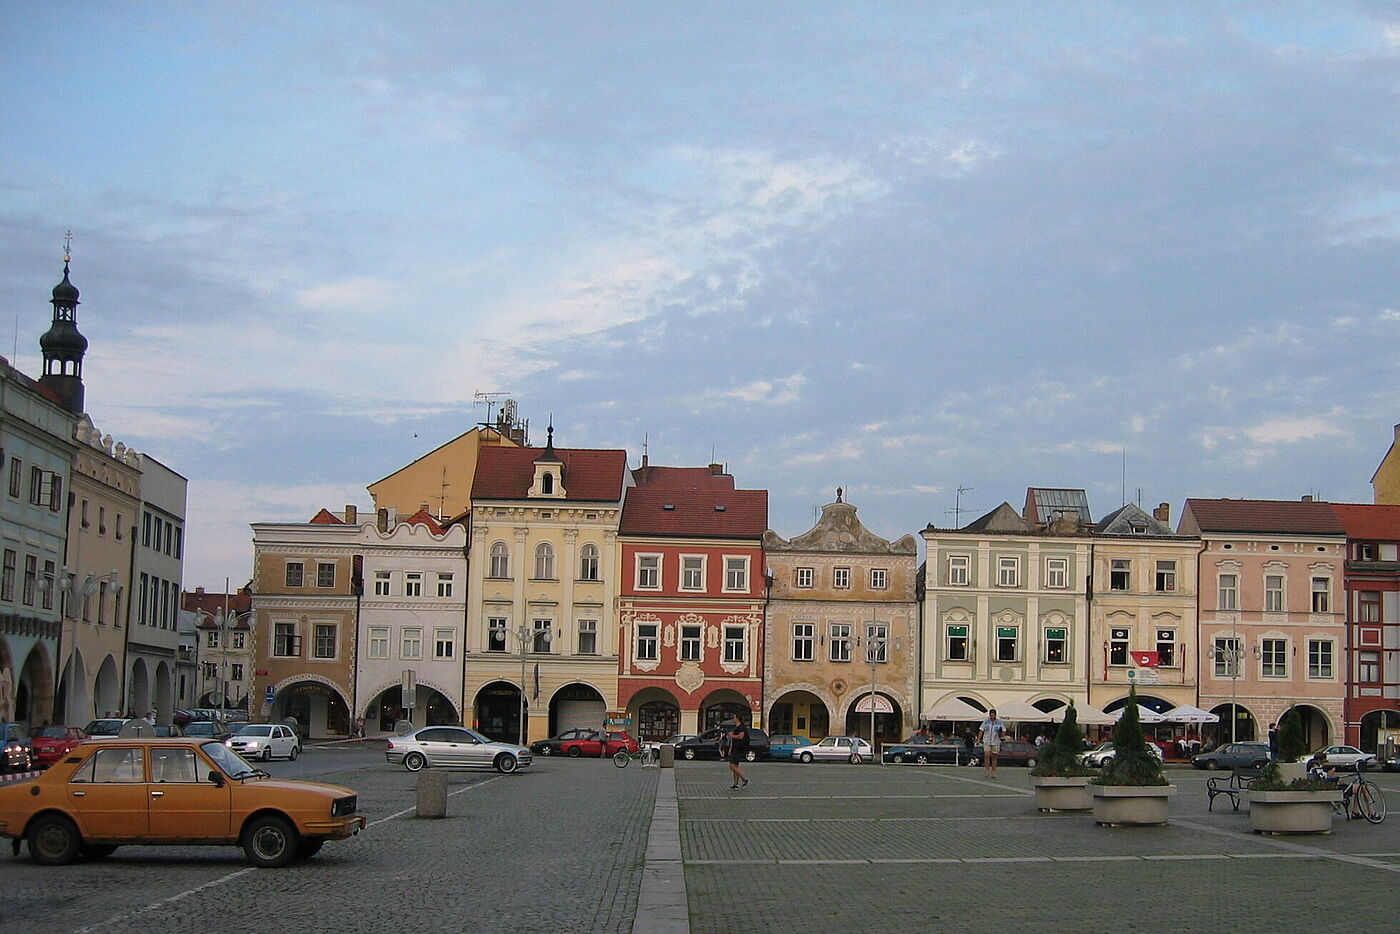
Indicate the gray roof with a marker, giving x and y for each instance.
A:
(1131, 520)
(1048, 503)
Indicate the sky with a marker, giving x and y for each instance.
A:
(1144, 249)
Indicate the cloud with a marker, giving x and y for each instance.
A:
(784, 391)
(351, 295)
(1286, 430)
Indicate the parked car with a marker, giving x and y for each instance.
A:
(84, 805)
(210, 729)
(454, 747)
(781, 745)
(51, 743)
(921, 749)
(706, 745)
(236, 726)
(598, 744)
(181, 716)
(1386, 763)
(168, 729)
(16, 753)
(104, 727)
(1345, 756)
(1233, 756)
(1103, 753)
(550, 747)
(1020, 752)
(836, 749)
(265, 740)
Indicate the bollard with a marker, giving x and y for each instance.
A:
(668, 756)
(432, 793)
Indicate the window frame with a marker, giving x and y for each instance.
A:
(378, 640)
(544, 563)
(804, 578)
(697, 572)
(1119, 640)
(411, 642)
(841, 578)
(1227, 591)
(1003, 636)
(444, 644)
(1321, 599)
(323, 646)
(690, 641)
(496, 629)
(285, 641)
(962, 563)
(383, 583)
(1051, 640)
(1273, 658)
(498, 561)
(646, 645)
(588, 627)
(1057, 573)
(1120, 575)
(1275, 597)
(1011, 563)
(588, 562)
(295, 574)
(839, 642)
(648, 571)
(1322, 655)
(736, 574)
(325, 573)
(807, 640)
(952, 639)
(735, 642)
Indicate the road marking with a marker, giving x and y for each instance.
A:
(985, 860)
(1296, 849)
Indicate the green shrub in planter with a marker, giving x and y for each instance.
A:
(1292, 741)
(1132, 762)
(1270, 780)
(1059, 758)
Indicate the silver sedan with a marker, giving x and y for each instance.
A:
(454, 747)
(836, 749)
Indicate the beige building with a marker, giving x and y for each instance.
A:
(841, 635)
(1385, 482)
(440, 482)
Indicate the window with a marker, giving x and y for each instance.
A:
(211, 639)
(294, 573)
(958, 570)
(141, 616)
(1227, 657)
(1119, 574)
(1056, 643)
(36, 486)
(804, 578)
(958, 644)
(1007, 648)
(588, 563)
(544, 561)
(1166, 648)
(16, 476)
(444, 582)
(83, 514)
(1273, 658)
(736, 574)
(117, 530)
(1118, 646)
(1369, 606)
(325, 574)
(500, 560)
(646, 642)
(413, 584)
(1319, 658)
(1229, 591)
(381, 583)
(496, 634)
(1368, 667)
(1366, 551)
(1057, 573)
(803, 642)
(284, 640)
(31, 579)
(692, 572)
(235, 671)
(50, 581)
(588, 637)
(879, 578)
(444, 644)
(1166, 577)
(146, 529)
(648, 572)
(543, 636)
(1008, 572)
(840, 639)
(325, 641)
(179, 540)
(170, 538)
(101, 520)
(238, 640)
(876, 639)
(7, 575)
(841, 578)
(411, 643)
(1273, 593)
(1321, 595)
(690, 644)
(733, 643)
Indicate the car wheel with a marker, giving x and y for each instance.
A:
(689, 752)
(506, 763)
(855, 758)
(1259, 764)
(574, 752)
(806, 757)
(53, 840)
(750, 756)
(296, 751)
(1030, 763)
(921, 758)
(897, 758)
(1213, 764)
(267, 754)
(414, 761)
(546, 750)
(98, 850)
(310, 846)
(270, 842)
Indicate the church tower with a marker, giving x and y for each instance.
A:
(63, 346)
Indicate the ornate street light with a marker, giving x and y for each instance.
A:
(526, 634)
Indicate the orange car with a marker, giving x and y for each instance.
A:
(185, 790)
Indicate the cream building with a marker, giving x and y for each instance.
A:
(1385, 482)
(440, 482)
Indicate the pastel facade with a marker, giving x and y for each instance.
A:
(1373, 623)
(158, 546)
(217, 662)
(1385, 482)
(440, 482)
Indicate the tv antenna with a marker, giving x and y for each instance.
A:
(490, 400)
(957, 510)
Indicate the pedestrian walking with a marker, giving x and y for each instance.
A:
(1273, 742)
(738, 747)
(989, 734)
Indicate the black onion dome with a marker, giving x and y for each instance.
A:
(63, 340)
(65, 292)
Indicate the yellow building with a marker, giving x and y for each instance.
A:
(1386, 480)
(440, 482)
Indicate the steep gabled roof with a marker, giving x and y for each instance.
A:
(697, 513)
(1131, 520)
(1045, 504)
(326, 517)
(839, 531)
(590, 475)
(1365, 521)
(1001, 519)
(683, 478)
(1265, 516)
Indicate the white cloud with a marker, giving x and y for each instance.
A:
(1138, 424)
(782, 391)
(1390, 314)
(1290, 430)
(359, 294)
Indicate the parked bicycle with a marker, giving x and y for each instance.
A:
(1360, 798)
(646, 753)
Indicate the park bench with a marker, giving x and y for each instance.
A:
(1239, 780)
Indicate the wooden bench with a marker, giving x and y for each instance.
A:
(1238, 781)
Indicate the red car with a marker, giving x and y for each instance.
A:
(52, 743)
(595, 745)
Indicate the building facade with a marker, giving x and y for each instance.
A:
(158, 544)
(1385, 482)
(440, 482)
(1373, 624)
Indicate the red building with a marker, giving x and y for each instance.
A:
(691, 597)
(1373, 623)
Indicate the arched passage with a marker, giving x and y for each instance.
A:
(887, 715)
(497, 710)
(318, 707)
(577, 706)
(139, 688)
(107, 688)
(655, 714)
(1154, 704)
(1378, 727)
(75, 706)
(431, 707)
(34, 694)
(164, 700)
(722, 705)
(1245, 726)
(802, 713)
(1317, 728)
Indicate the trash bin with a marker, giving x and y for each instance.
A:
(668, 756)
(432, 793)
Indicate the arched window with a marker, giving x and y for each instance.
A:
(544, 561)
(500, 560)
(588, 563)
(547, 484)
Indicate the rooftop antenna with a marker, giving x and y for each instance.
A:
(957, 509)
(1123, 489)
(442, 494)
(490, 400)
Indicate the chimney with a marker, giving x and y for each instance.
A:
(1308, 498)
(381, 520)
(717, 470)
(199, 590)
(1163, 513)
(423, 507)
(352, 515)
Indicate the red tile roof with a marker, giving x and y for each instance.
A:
(1373, 523)
(324, 517)
(590, 475)
(421, 517)
(1276, 517)
(240, 602)
(683, 478)
(693, 513)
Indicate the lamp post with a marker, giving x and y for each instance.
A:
(875, 653)
(223, 621)
(1231, 654)
(525, 635)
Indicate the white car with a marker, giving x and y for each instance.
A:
(1102, 754)
(265, 740)
(1346, 756)
(836, 749)
(454, 747)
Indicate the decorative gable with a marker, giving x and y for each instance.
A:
(549, 481)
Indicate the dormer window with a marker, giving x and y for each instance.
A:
(547, 484)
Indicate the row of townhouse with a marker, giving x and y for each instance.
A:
(91, 549)
(568, 589)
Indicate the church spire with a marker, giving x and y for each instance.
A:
(62, 344)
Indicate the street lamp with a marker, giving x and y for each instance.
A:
(223, 621)
(876, 645)
(525, 635)
(1231, 653)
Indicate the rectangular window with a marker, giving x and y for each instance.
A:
(588, 563)
(31, 579)
(56, 499)
(83, 514)
(1229, 591)
(1057, 573)
(733, 643)
(1166, 577)
(1319, 658)
(156, 616)
(1056, 646)
(381, 583)
(496, 634)
(646, 642)
(1227, 657)
(1368, 606)
(543, 636)
(179, 540)
(16, 476)
(1273, 658)
(841, 578)
(379, 642)
(1120, 574)
(803, 642)
(876, 639)
(50, 582)
(840, 639)
(736, 574)
(411, 643)
(444, 644)
(500, 561)
(101, 520)
(284, 640)
(413, 584)
(325, 641)
(879, 578)
(648, 572)
(1166, 648)
(1273, 593)
(804, 578)
(444, 584)
(1008, 572)
(959, 567)
(7, 575)
(235, 671)
(588, 637)
(169, 538)
(238, 640)
(325, 574)
(1321, 595)
(690, 644)
(1368, 667)
(295, 571)
(692, 572)
(1118, 646)
(36, 486)
(1007, 648)
(211, 639)
(146, 530)
(958, 643)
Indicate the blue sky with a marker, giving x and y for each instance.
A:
(899, 248)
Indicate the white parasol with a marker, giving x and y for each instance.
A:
(1021, 712)
(1187, 713)
(1145, 715)
(950, 708)
(1087, 715)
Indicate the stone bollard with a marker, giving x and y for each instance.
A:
(432, 793)
(668, 756)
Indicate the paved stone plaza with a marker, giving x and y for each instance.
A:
(578, 845)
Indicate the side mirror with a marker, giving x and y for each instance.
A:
(216, 777)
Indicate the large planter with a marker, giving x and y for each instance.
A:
(1288, 771)
(1291, 811)
(1131, 805)
(1062, 794)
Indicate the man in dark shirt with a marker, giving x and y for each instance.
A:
(738, 736)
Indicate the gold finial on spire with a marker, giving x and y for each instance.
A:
(67, 247)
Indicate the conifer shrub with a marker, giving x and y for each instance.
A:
(1132, 763)
(1059, 758)
(1292, 741)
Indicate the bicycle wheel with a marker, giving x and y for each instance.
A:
(620, 758)
(1371, 802)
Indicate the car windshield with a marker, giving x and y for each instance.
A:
(200, 729)
(256, 730)
(103, 726)
(231, 763)
(52, 732)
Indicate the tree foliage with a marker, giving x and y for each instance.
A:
(1132, 763)
(1059, 758)
(1292, 741)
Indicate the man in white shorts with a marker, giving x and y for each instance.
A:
(989, 734)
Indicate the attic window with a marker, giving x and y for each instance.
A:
(546, 514)
(590, 515)
(547, 484)
(1227, 547)
(1138, 529)
(1273, 548)
(720, 508)
(669, 507)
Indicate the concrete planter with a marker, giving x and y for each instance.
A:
(1062, 794)
(1131, 805)
(1288, 771)
(1291, 811)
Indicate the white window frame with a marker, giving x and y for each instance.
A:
(499, 561)
(1275, 598)
(1015, 644)
(588, 627)
(649, 571)
(841, 578)
(959, 570)
(879, 579)
(1227, 591)
(588, 562)
(444, 644)
(1120, 575)
(877, 639)
(804, 639)
(648, 642)
(496, 629)
(692, 573)
(1120, 641)
(804, 578)
(1273, 658)
(1063, 641)
(413, 583)
(1227, 665)
(1057, 573)
(1320, 599)
(379, 642)
(949, 635)
(411, 642)
(839, 642)
(383, 583)
(544, 562)
(735, 642)
(444, 584)
(1164, 575)
(1008, 570)
(690, 648)
(541, 628)
(736, 573)
(1171, 657)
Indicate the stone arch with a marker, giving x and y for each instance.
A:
(432, 706)
(75, 705)
(164, 699)
(656, 714)
(138, 692)
(34, 690)
(1319, 729)
(107, 689)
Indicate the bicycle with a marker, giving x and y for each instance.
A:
(1360, 798)
(646, 754)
